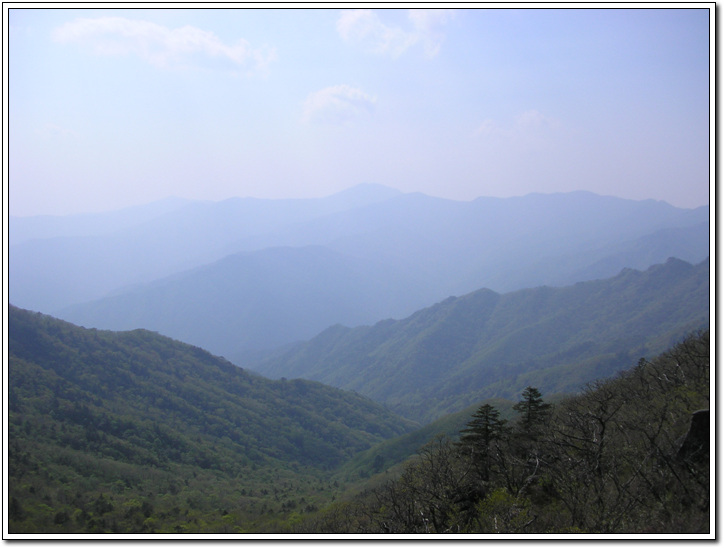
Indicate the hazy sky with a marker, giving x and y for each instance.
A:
(110, 108)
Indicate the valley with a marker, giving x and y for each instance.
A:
(345, 357)
(109, 428)
(135, 433)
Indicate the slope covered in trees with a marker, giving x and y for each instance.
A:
(134, 432)
(626, 455)
(462, 350)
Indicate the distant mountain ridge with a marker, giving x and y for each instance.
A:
(487, 344)
(386, 257)
(247, 274)
(36, 227)
(59, 261)
(255, 300)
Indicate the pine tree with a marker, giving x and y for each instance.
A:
(522, 461)
(533, 412)
(481, 436)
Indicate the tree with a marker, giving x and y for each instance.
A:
(520, 462)
(480, 438)
(533, 412)
(434, 494)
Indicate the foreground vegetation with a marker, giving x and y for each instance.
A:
(136, 433)
(627, 455)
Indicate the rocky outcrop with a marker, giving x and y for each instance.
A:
(695, 446)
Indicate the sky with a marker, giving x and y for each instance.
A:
(110, 108)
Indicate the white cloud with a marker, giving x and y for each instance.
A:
(427, 26)
(337, 105)
(487, 129)
(534, 120)
(160, 46)
(364, 28)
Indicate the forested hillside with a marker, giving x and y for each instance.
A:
(626, 455)
(135, 432)
(486, 344)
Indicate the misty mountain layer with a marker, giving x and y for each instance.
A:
(247, 274)
(270, 272)
(58, 261)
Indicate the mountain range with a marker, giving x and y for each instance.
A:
(132, 432)
(338, 365)
(486, 344)
(247, 275)
(58, 261)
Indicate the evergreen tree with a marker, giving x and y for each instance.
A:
(481, 436)
(533, 412)
(521, 460)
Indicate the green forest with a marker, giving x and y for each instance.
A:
(132, 432)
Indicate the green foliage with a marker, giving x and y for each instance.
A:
(134, 432)
(395, 451)
(501, 512)
(533, 412)
(485, 428)
(614, 459)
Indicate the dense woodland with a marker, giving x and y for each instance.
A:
(136, 433)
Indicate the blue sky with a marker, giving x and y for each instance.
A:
(110, 108)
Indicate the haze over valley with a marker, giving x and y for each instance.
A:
(279, 272)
